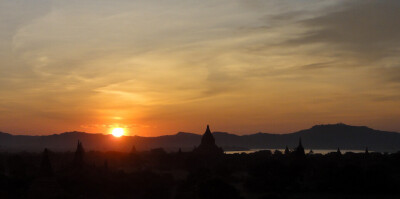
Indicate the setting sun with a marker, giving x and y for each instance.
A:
(118, 132)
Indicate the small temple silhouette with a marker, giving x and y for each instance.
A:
(78, 158)
(45, 166)
(287, 152)
(299, 151)
(338, 152)
(207, 145)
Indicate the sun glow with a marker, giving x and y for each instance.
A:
(118, 132)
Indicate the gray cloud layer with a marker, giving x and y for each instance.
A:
(369, 29)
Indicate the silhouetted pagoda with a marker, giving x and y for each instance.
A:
(338, 152)
(207, 145)
(46, 185)
(78, 158)
(287, 152)
(45, 166)
(299, 151)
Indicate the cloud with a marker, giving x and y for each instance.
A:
(178, 62)
(365, 28)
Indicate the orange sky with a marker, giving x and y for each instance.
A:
(157, 68)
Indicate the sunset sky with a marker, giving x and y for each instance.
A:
(159, 67)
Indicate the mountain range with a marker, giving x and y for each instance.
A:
(329, 136)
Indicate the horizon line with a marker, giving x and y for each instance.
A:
(340, 123)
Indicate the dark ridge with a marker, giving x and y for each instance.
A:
(325, 136)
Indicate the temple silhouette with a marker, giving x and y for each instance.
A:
(204, 173)
(79, 156)
(207, 145)
(45, 166)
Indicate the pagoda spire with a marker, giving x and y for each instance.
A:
(287, 150)
(207, 144)
(300, 149)
(45, 166)
(79, 153)
(208, 138)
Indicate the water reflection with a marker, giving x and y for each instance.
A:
(315, 151)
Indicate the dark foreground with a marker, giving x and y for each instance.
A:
(157, 174)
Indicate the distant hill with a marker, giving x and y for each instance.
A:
(329, 136)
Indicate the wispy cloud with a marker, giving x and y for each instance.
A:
(247, 65)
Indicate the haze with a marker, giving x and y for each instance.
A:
(158, 67)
